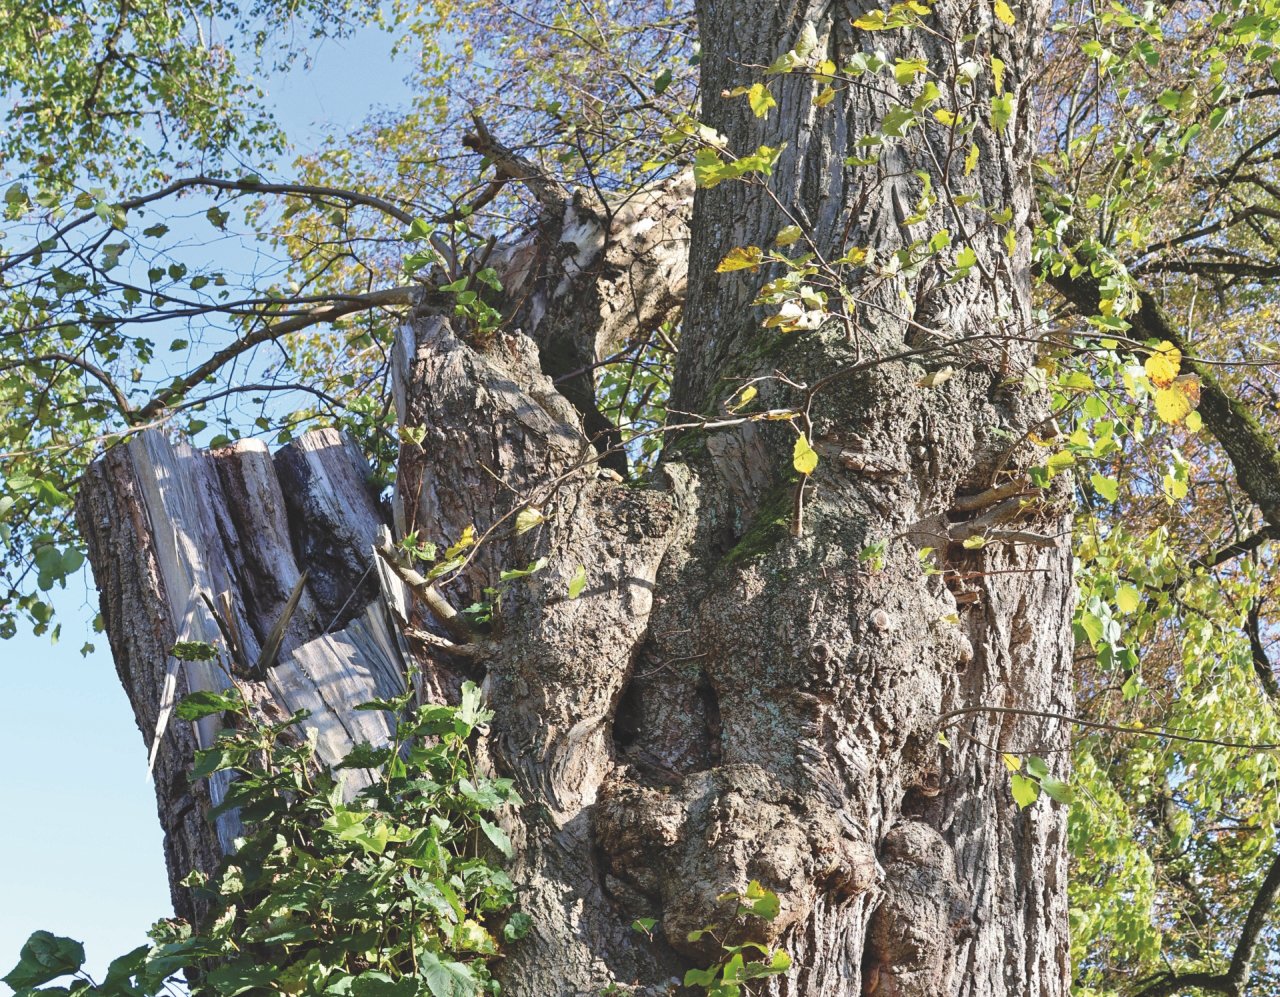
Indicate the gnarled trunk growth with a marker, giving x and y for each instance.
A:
(751, 684)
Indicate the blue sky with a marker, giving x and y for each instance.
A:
(80, 845)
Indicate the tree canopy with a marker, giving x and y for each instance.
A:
(136, 134)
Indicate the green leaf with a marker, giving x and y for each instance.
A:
(1057, 790)
(373, 983)
(906, 70)
(498, 837)
(1108, 488)
(446, 978)
(1025, 790)
(1001, 110)
(44, 957)
(1128, 598)
(518, 925)
(239, 977)
(578, 582)
(203, 703)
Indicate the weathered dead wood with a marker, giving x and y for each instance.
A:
(165, 523)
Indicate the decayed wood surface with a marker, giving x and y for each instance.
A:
(165, 523)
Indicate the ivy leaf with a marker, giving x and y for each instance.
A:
(203, 703)
(519, 924)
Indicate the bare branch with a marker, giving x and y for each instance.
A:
(1234, 981)
(329, 313)
(513, 166)
(238, 186)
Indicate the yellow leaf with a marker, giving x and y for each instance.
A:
(1176, 402)
(975, 543)
(760, 99)
(466, 540)
(741, 258)
(824, 96)
(788, 235)
(804, 458)
(906, 70)
(971, 160)
(744, 398)
(1171, 405)
(1128, 598)
(1162, 366)
(1004, 13)
(948, 118)
(870, 21)
(527, 518)
(1189, 385)
(936, 377)
(997, 70)
(1012, 762)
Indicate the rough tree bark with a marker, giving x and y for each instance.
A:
(727, 700)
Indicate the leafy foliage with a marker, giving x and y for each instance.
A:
(392, 892)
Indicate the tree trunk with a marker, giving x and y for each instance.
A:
(727, 700)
